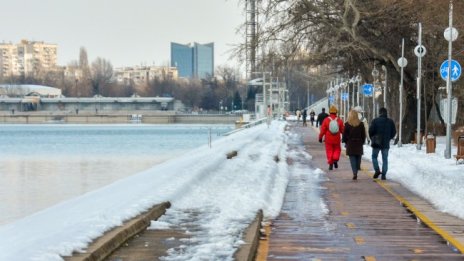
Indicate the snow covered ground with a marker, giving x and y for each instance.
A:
(226, 192)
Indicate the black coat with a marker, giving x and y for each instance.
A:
(385, 127)
(320, 118)
(354, 138)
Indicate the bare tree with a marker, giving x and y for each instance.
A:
(351, 35)
(102, 74)
(83, 80)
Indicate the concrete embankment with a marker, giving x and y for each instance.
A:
(133, 241)
(117, 118)
(112, 240)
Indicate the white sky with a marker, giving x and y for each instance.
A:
(227, 192)
(124, 32)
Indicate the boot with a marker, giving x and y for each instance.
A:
(336, 164)
(330, 166)
(376, 174)
(355, 176)
(384, 177)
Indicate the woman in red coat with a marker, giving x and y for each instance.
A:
(332, 133)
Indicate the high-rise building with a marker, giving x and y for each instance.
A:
(27, 58)
(193, 60)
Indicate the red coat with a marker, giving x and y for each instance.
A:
(329, 137)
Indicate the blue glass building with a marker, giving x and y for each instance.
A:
(193, 61)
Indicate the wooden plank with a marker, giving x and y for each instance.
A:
(364, 222)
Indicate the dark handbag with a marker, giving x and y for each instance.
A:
(376, 141)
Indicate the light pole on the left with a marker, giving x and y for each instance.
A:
(375, 74)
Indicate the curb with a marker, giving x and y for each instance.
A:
(248, 250)
(102, 247)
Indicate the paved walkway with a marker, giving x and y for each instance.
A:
(364, 220)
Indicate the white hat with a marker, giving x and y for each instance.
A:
(358, 109)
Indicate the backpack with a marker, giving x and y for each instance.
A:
(333, 126)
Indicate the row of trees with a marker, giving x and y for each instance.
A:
(350, 37)
(84, 79)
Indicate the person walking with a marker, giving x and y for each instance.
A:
(354, 136)
(298, 115)
(304, 115)
(312, 114)
(381, 131)
(331, 129)
(269, 115)
(321, 117)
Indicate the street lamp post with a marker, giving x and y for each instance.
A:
(358, 80)
(450, 34)
(420, 52)
(375, 74)
(402, 62)
(352, 81)
(307, 94)
(385, 87)
(343, 100)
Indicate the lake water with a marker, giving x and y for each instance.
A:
(42, 165)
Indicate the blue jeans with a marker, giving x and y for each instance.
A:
(355, 162)
(375, 162)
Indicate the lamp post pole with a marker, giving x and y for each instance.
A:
(402, 62)
(375, 74)
(358, 81)
(448, 81)
(352, 81)
(419, 54)
(307, 94)
(385, 87)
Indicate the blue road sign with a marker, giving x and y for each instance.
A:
(455, 70)
(367, 89)
(331, 99)
(345, 96)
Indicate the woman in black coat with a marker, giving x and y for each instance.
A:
(354, 137)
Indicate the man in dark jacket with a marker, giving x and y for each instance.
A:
(382, 130)
(321, 117)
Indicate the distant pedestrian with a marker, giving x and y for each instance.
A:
(321, 117)
(381, 131)
(363, 119)
(298, 115)
(304, 115)
(269, 115)
(312, 116)
(354, 136)
(331, 129)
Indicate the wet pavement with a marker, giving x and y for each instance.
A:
(353, 220)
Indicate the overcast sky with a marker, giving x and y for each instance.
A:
(124, 32)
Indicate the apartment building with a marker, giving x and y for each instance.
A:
(27, 58)
(144, 74)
